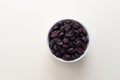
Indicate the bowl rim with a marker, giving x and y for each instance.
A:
(77, 59)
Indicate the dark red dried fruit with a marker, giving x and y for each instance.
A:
(55, 47)
(51, 43)
(58, 54)
(77, 55)
(71, 50)
(86, 40)
(67, 57)
(56, 27)
(68, 39)
(80, 30)
(54, 34)
(82, 35)
(83, 38)
(65, 40)
(67, 27)
(69, 34)
(84, 32)
(60, 43)
(76, 25)
(62, 28)
(78, 43)
(79, 50)
(83, 46)
(61, 34)
(65, 46)
(76, 32)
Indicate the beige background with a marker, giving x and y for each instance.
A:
(24, 53)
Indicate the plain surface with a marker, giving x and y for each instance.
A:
(24, 53)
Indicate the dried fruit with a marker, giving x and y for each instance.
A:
(54, 34)
(68, 39)
(71, 50)
(67, 57)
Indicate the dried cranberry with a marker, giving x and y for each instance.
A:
(54, 34)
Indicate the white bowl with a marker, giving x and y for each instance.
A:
(71, 61)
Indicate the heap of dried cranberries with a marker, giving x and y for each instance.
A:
(68, 39)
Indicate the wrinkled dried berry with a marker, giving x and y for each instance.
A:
(83, 46)
(51, 43)
(56, 27)
(65, 46)
(69, 34)
(84, 32)
(76, 25)
(81, 35)
(62, 28)
(67, 57)
(86, 40)
(59, 43)
(65, 40)
(76, 33)
(71, 50)
(80, 30)
(55, 47)
(78, 43)
(77, 55)
(83, 38)
(58, 54)
(68, 40)
(79, 50)
(67, 27)
(61, 35)
(54, 34)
